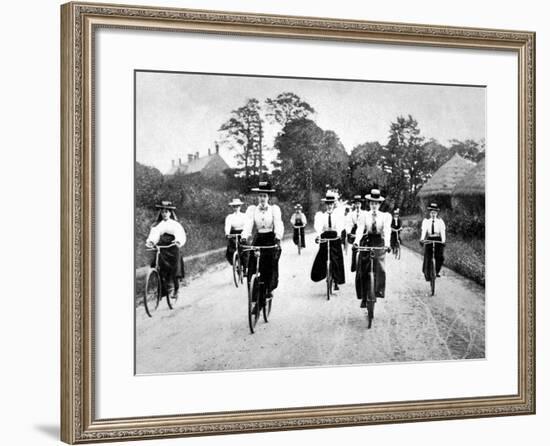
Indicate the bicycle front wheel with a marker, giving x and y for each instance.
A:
(151, 298)
(236, 268)
(329, 282)
(253, 302)
(266, 304)
(432, 278)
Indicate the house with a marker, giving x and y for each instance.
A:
(209, 166)
(440, 187)
(469, 193)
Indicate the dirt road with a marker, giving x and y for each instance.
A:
(208, 329)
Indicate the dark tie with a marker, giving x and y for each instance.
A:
(433, 226)
(329, 221)
(374, 222)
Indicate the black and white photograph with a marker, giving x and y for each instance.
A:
(299, 222)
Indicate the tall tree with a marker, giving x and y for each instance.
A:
(366, 167)
(244, 133)
(287, 107)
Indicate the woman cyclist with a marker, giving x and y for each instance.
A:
(433, 228)
(298, 220)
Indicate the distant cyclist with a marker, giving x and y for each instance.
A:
(298, 220)
(433, 228)
(234, 224)
(351, 227)
(396, 226)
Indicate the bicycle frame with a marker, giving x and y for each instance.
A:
(433, 261)
(327, 241)
(157, 248)
(370, 250)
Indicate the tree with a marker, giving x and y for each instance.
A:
(287, 107)
(149, 183)
(309, 157)
(469, 149)
(406, 161)
(244, 132)
(365, 164)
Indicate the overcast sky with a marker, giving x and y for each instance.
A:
(179, 113)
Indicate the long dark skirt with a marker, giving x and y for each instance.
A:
(362, 280)
(319, 268)
(301, 233)
(439, 258)
(170, 265)
(395, 237)
(232, 246)
(269, 260)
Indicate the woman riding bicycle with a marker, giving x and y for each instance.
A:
(265, 219)
(396, 226)
(298, 221)
(433, 228)
(234, 224)
(329, 225)
(351, 228)
(168, 231)
(377, 228)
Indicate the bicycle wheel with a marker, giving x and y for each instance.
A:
(299, 245)
(151, 298)
(329, 282)
(253, 302)
(432, 278)
(371, 300)
(236, 268)
(266, 304)
(171, 299)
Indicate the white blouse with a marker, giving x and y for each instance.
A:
(352, 219)
(171, 227)
(439, 228)
(321, 225)
(298, 216)
(266, 219)
(236, 221)
(383, 224)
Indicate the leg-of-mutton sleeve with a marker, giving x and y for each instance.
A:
(179, 234)
(167, 227)
(424, 229)
(319, 223)
(303, 217)
(248, 222)
(361, 222)
(227, 227)
(154, 236)
(442, 231)
(387, 228)
(278, 226)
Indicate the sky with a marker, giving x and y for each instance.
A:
(181, 113)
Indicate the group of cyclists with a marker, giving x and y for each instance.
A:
(261, 225)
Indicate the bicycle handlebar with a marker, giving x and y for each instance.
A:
(156, 247)
(252, 247)
(396, 230)
(297, 226)
(324, 240)
(370, 248)
(431, 241)
(233, 235)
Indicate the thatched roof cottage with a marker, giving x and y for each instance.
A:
(470, 191)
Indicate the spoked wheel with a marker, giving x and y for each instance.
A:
(237, 274)
(432, 278)
(397, 252)
(253, 302)
(172, 297)
(329, 283)
(266, 305)
(371, 300)
(151, 298)
(299, 245)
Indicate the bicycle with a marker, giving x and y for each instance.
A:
(371, 296)
(329, 263)
(299, 237)
(433, 273)
(397, 250)
(153, 285)
(238, 267)
(257, 290)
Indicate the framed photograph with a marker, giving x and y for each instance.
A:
(274, 223)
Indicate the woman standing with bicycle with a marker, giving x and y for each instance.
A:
(265, 220)
(165, 232)
(433, 229)
(299, 221)
(234, 224)
(329, 225)
(377, 228)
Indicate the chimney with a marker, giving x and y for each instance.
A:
(196, 155)
(209, 152)
(173, 163)
(217, 147)
(189, 157)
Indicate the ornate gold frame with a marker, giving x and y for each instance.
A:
(79, 20)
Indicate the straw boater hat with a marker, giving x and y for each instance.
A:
(298, 206)
(330, 197)
(263, 187)
(357, 198)
(375, 196)
(396, 211)
(165, 205)
(236, 202)
(433, 207)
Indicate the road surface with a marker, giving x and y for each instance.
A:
(208, 329)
